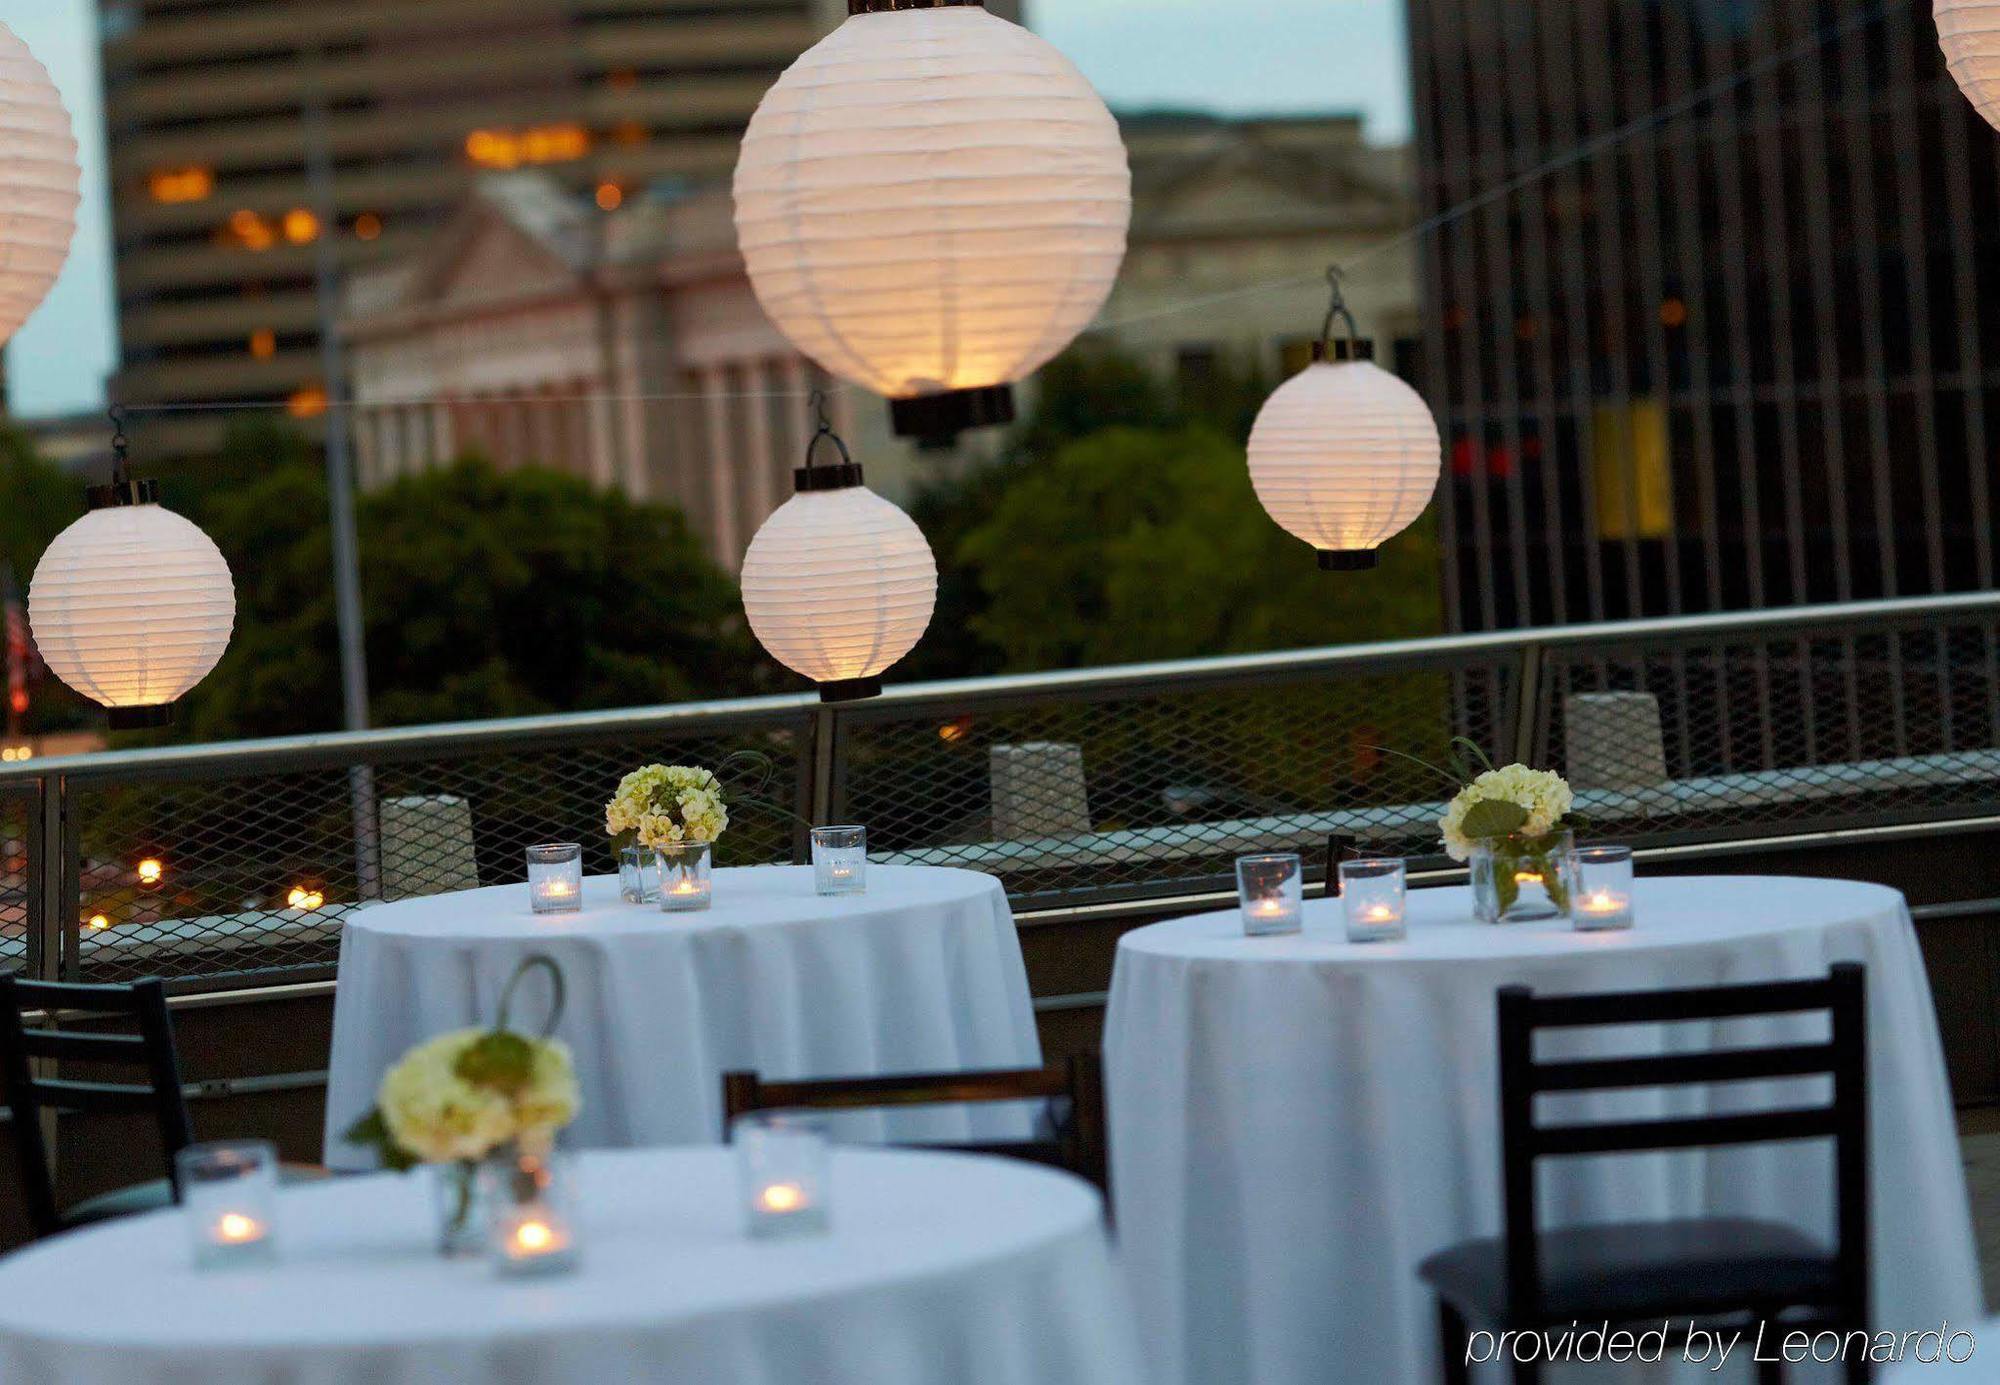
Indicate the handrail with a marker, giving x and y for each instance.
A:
(1802, 622)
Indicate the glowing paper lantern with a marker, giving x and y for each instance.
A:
(1969, 31)
(38, 183)
(132, 605)
(931, 203)
(1345, 456)
(839, 584)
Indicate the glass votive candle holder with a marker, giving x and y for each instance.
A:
(229, 1195)
(840, 859)
(1603, 900)
(1375, 896)
(684, 879)
(1271, 891)
(782, 1163)
(531, 1224)
(555, 878)
(638, 875)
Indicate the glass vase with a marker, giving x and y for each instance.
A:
(529, 1196)
(684, 883)
(1522, 879)
(461, 1216)
(638, 875)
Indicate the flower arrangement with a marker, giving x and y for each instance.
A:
(458, 1098)
(1513, 824)
(664, 806)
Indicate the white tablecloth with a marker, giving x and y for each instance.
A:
(939, 1270)
(922, 973)
(1296, 1122)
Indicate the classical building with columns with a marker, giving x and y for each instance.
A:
(628, 347)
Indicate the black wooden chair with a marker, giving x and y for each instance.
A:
(1712, 1269)
(1074, 1091)
(146, 1056)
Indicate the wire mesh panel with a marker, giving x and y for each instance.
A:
(1779, 732)
(244, 875)
(1152, 791)
(19, 878)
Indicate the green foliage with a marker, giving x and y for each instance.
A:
(1144, 544)
(372, 1132)
(484, 595)
(38, 500)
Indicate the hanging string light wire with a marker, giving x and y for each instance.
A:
(1651, 120)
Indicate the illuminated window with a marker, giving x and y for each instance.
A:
(263, 343)
(622, 79)
(301, 226)
(538, 144)
(190, 184)
(610, 196)
(367, 226)
(247, 229)
(309, 402)
(1632, 462)
(1673, 313)
(493, 149)
(630, 132)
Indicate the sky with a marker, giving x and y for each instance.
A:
(1240, 57)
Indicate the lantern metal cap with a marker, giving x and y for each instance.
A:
(125, 492)
(855, 7)
(1349, 559)
(1341, 350)
(850, 689)
(141, 718)
(936, 420)
(845, 476)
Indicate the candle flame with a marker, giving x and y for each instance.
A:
(782, 1197)
(236, 1227)
(534, 1235)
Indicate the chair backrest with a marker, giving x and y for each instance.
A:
(1843, 1119)
(34, 1085)
(1080, 1144)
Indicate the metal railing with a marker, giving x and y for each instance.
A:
(232, 865)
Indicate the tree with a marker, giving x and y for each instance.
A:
(1138, 544)
(484, 595)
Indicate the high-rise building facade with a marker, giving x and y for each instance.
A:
(214, 109)
(1747, 357)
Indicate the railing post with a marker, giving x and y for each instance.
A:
(1528, 728)
(49, 890)
(826, 766)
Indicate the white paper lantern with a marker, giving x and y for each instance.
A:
(38, 183)
(839, 584)
(1345, 456)
(1969, 31)
(931, 203)
(132, 605)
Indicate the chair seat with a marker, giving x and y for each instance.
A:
(1625, 1271)
(151, 1196)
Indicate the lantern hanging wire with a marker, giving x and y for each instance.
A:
(1353, 346)
(122, 490)
(814, 477)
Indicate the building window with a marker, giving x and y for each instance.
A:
(537, 144)
(190, 184)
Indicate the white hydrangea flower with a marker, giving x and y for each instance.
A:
(439, 1117)
(1544, 795)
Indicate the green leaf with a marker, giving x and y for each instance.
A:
(371, 1131)
(501, 1060)
(1494, 817)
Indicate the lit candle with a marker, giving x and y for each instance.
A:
(555, 878)
(1372, 893)
(237, 1228)
(1603, 899)
(535, 1240)
(782, 1198)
